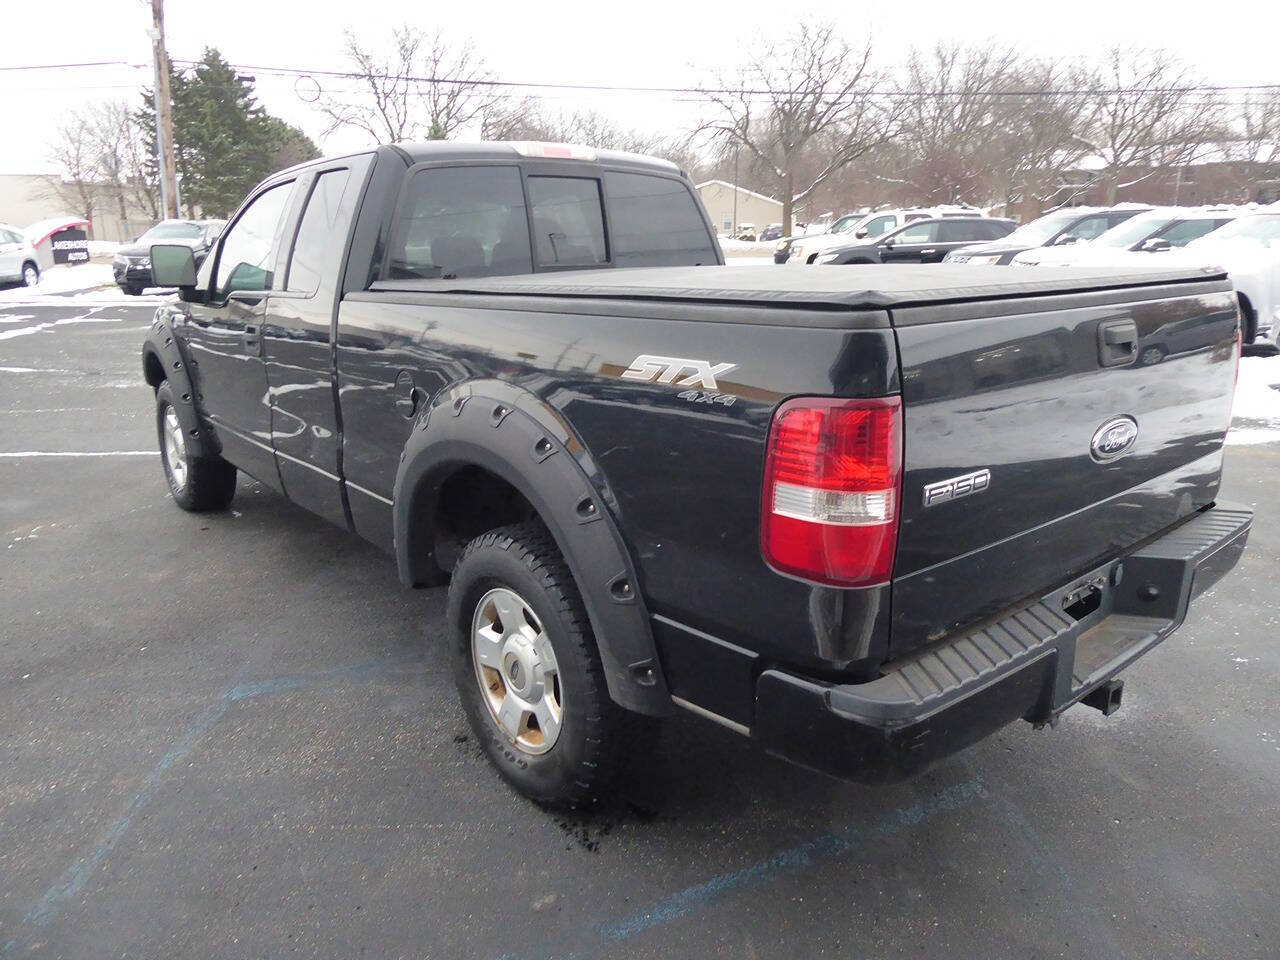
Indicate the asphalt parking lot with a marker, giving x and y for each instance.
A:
(233, 736)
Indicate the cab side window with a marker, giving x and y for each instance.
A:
(654, 222)
(322, 233)
(461, 222)
(248, 256)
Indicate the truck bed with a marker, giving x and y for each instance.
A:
(823, 288)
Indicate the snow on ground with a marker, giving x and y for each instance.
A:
(103, 248)
(83, 283)
(1255, 415)
(747, 248)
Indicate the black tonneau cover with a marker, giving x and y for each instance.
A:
(853, 287)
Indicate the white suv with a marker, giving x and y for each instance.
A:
(17, 257)
(806, 249)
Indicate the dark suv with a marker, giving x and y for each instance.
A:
(131, 266)
(921, 241)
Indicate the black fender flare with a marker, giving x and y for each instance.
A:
(514, 435)
(163, 347)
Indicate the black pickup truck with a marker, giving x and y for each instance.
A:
(863, 517)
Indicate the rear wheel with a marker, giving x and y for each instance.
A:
(30, 274)
(132, 291)
(529, 673)
(196, 483)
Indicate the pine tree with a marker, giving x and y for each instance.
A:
(224, 141)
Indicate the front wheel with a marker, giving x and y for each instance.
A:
(196, 483)
(528, 671)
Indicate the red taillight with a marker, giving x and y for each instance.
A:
(832, 479)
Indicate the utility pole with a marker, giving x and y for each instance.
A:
(735, 190)
(169, 199)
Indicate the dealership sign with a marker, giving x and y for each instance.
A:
(70, 246)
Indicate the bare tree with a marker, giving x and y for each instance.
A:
(421, 87)
(1146, 115)
(809, 85)
(121, 163)
(75, 153)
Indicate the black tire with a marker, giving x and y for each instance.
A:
(202, 483)
(596, 735)
(132, 291)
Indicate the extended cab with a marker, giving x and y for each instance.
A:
(864, 517)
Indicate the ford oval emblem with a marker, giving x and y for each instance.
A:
(1114, 439)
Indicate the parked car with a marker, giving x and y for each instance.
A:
(772, 232)
(1059, 228)
(1156, 231)
(1249, 250)
(131, 266)
(17, 257)
(921, 241)
(864, 524)
(868, 227)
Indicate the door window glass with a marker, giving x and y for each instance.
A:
(962, 231)
(461, 222)
(1090, 227)
(917, 233)
(1181, 233)
(248, 257)
(568, 225)
(654, 222)
(321, 235)
(880, 225)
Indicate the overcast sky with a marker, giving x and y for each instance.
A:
(652, 43)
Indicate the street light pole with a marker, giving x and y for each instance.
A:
(169, 199)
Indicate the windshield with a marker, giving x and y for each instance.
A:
(172, 231)
(1132, 231)
(1265, 229)
(845, 224)
(1037, 232)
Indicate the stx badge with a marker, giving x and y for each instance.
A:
(652, 369)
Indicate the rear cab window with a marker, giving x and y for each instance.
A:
(568, 221)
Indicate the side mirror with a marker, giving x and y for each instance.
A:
(1065, 239)
(887, 242)
(1157, 245)
(861, 233)
(173, 265)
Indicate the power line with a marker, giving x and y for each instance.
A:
(696, 91)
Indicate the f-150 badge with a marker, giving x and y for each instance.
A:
(652, 369)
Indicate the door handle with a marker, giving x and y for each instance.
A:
(929, 252)
(1117, 342)
(253, 339)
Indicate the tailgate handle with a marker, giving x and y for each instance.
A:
(1117, 342)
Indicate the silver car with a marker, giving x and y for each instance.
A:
(17, 257)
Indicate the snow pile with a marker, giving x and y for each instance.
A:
(103, 248)
(62, 279)
(1255, 415)
(741, 248)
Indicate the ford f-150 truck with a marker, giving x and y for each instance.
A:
(863, 517)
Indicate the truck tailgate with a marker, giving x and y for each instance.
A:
(1043, 436)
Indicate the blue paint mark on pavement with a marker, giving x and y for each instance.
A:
(75, 877)
(696, 898)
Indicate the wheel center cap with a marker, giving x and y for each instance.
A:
(517, 665)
